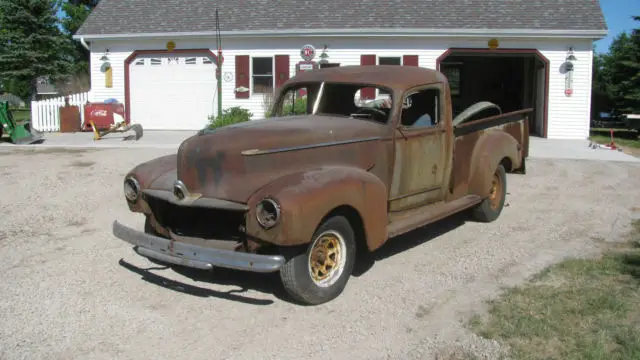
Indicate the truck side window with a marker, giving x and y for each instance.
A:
(295, 102)
(421, 109)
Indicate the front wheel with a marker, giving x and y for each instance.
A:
(320, 273)
(490, 208)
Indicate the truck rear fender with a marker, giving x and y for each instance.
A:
(492, 148)
(305, 198)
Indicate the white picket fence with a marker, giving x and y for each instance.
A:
(45, 114)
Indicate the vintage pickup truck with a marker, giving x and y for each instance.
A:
(329, 174)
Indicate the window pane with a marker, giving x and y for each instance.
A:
(262, 84)
(295, 102)
(263, 66)
(390, 61)
(421, 109)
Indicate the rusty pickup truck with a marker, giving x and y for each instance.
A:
(349, 158)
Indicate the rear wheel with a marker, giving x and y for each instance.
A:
(491, 207)
(320, 273)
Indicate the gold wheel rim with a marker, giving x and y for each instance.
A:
(325, 258)
(495, 193)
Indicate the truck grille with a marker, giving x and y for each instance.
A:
(199, 222)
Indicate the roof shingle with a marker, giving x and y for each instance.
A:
(158, 16)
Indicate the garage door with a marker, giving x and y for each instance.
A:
(172, 92)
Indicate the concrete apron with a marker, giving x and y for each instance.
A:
(165, 139)
(574, 149)
(154, 139)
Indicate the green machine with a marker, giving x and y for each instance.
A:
(19, 132)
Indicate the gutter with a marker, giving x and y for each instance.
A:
(482, 33)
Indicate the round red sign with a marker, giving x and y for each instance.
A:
(308, 52)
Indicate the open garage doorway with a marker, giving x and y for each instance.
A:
(511, 79)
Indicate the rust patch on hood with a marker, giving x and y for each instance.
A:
(233, 162)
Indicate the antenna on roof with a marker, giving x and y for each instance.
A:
(219, 63)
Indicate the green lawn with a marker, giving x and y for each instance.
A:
(578, 309)
(622, 137)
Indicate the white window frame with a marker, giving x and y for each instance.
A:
(273, 72)
(378, 63)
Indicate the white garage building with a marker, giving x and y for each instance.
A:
(158, 58)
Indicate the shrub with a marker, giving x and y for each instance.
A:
(230, 116)
(299, 108)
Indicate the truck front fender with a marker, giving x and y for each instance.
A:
(490, 150)
(306, 197)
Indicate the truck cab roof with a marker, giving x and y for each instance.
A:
(395, 77)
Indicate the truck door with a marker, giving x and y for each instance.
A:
(420, 150)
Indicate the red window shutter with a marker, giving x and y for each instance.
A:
(367, 59)
(410, 60)
(242, 75)
(368, 93)
(282, 69)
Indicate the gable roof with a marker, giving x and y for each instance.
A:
(117, 18)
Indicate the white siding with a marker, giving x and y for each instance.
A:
(568, 117)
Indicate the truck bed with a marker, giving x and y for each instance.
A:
(467, 135)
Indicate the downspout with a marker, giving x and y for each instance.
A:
(84, 44)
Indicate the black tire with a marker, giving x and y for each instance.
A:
(296, 272)
(490, 208)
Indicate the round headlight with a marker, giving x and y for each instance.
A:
(268, 213)
(131, 189)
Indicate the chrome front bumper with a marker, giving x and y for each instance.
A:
(195, 256)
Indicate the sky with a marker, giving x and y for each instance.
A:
(617, 14)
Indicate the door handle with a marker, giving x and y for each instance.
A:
(434, 169)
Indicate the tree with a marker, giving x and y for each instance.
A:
(623, 72)
(75, 13)
(616, 76)
(31, 44)
(601, 101)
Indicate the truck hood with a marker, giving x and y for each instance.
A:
(231, 163)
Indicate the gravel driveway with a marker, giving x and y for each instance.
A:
(71, 290)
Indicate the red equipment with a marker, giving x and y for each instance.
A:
(102, 115)
(613, 143)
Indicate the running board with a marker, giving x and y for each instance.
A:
(406, 221)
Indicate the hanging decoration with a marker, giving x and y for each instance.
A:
(568, 79)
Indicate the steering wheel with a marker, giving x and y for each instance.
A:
(376, 114)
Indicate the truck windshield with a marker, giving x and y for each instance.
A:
(335, 99)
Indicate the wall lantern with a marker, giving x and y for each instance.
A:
(105, 55)
(570, 56)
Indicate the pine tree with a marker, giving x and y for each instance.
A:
(75, 13)
(623, 72)
(31, 44)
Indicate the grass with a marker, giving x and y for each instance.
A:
(622, 137)
(584, 309)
